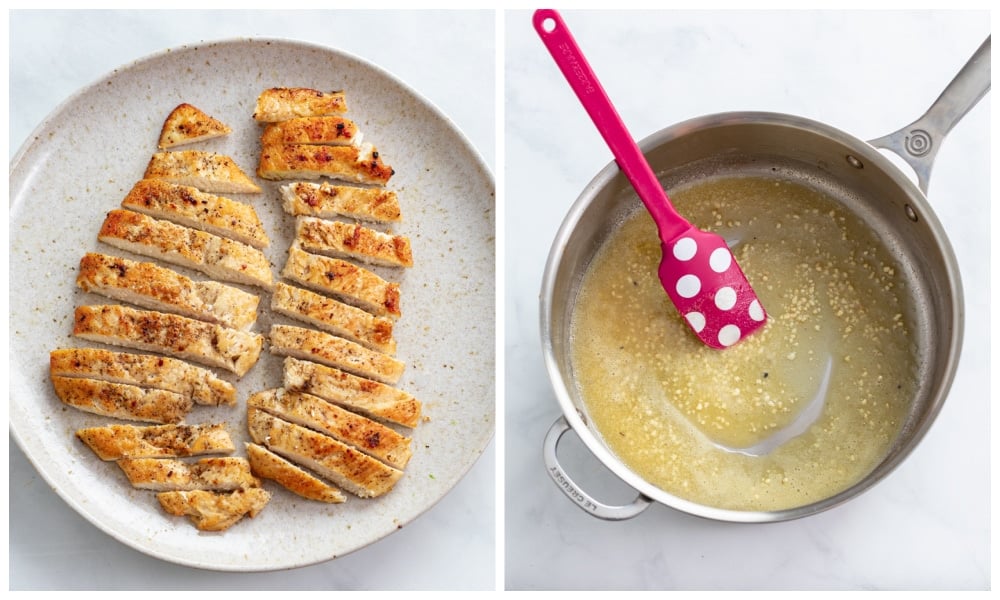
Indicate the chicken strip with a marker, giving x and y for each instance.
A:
(214, 473)
(204, 343)
(268, 465)
(325, 200)
(348, 468)
(188, 206)
(151, 286)
(309, 344)
(334, 317)
(216, 256)
(114, 442)
(122, 401)
(332, 130)
(283, 103)
(207, 171)
(370, 398)
(187, 124)
(343, 280)
(215, 511)
(350, 240)
(368, 436)
(200, 385)
(355, 164)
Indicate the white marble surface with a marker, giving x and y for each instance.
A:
(927, 525)
(53, 54)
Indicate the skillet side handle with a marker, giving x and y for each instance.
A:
(918, 142)
(573, 491)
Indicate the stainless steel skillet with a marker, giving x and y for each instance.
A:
(855, 173)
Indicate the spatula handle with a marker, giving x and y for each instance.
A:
(575, 68)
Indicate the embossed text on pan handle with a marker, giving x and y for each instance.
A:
(574, 492)
(918, 142)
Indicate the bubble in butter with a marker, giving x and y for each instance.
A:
(834, 364)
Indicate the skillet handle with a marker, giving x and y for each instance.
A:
(918, 142)
(573, 491)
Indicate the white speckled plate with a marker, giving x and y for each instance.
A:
(84, 158)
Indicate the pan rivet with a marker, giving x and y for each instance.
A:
(854, 162)
(910, 213)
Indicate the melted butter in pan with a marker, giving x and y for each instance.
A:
(797, 412)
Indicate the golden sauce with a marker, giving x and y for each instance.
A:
(834, 363)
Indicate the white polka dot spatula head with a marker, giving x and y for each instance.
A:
(697, 270)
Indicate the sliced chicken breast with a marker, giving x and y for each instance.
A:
(347, 467)
(145, 370)
(205, 343)
(187, 124)
(332, 130)
(114, 442)
(122, 401)
(188, 206)
(350, 240)
(371, 398)
(326, 201)
(268, 465)
(310, 344)
(151, 286)
(334, 317)
(372, 438)
(283, 103)
(343, 280)
(215, 511)
(213, 255)
(355, 164)
(214, 473)
(207, 171)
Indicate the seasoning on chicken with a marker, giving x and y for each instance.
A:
(157, 288)
(213, 255)
(207, 171)
(205, 343)
(114, 442)
(187, 124)
(145, 370)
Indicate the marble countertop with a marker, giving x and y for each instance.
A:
(53, 54)
(926, 526)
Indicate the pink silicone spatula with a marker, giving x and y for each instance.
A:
(697, 270)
